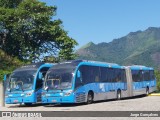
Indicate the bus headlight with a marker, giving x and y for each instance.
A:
(68, 93)
(22, 94)
(29, 93)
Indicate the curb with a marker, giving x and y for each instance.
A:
(154, 94)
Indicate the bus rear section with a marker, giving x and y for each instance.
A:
(24, 85)
(143, 80)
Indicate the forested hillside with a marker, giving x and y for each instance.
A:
(141, 47)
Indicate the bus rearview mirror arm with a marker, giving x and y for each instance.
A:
(5, 77)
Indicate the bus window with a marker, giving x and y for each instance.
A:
(137, 75)
(79, 80)
(140, 75)
(152, 76)
(95, 73)
(104, 74)
(87, 74)
(123, 76)
(117, 75)
(97, 79)
(146, 75)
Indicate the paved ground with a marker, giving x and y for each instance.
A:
(141, 103)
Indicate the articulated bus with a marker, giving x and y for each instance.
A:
(82, 81)
(24, 85)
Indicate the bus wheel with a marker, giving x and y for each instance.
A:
(90, 98)
(147, 91)
(118, 95)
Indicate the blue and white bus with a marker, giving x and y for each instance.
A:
(24, 85)
(87, 81)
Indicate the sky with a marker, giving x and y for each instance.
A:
(104, 20)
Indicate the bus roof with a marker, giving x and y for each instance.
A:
(139, 67)
(88, 62)
(32, 66)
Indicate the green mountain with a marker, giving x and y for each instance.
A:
(141, 47)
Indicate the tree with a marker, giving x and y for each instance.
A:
(157, 73)
(28, 31)
(8, 64)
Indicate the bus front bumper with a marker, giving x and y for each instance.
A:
(64, 99)
(19, 100)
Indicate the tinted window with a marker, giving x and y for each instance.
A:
(89, 74)
(137, 75)
(123, 76)
(104, 74)
(152, 76)
(146, 75)
(112, 75)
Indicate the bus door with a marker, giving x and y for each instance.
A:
(39, 83)
(79, 88)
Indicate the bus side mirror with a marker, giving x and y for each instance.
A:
(5, 77)
(78, 74)
(40, 75)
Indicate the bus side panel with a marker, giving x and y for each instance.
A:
(138, 88)
(153, 86)
(109, 90)
(105, 91)
(102, 91)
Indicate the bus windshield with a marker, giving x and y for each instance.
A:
(22, 80)
(60, 78)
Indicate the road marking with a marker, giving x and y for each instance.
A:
(154, 94)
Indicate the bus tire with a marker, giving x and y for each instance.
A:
(90, 98)
(147, 91)
(118, 95)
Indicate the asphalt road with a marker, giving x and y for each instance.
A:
(140, 103)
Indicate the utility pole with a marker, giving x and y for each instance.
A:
(2, 102)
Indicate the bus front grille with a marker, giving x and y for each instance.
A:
(80, 97)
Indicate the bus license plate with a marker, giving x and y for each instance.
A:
(54, 100)
(15, 100)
